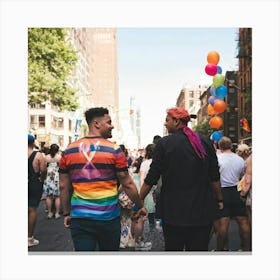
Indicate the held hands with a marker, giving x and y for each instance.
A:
(141, 212)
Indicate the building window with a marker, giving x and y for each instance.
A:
(41, 121)
(191, 94)
(191, 103)
(56, 122)
(38, 106)
(33, 119)
(70, 125)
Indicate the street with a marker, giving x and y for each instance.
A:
(54, 237)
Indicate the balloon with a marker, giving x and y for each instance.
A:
(219, 106)
(211, 69)
(221, 92)
(213, 57)
(216, 136)
(216, 122)
(219, 69)
(210, 110)
(218, 80)
(212, 99)
(212, 90)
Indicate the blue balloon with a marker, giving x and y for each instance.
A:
(212, 99)
(212, 90)
(221, 92)
(216, 135)
(219, 69)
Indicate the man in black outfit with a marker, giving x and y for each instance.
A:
(191, 191)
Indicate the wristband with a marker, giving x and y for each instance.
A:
(66, 214)
(135, 208)
(220, 200)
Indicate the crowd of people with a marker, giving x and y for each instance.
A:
(182, 182)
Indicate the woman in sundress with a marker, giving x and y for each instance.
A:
(51, 184)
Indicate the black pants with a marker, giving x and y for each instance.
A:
(189, 238)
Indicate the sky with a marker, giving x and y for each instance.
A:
(156, 63)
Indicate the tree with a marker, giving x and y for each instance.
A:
(51, 60)
(204, 128)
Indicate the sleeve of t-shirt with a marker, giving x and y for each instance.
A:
(62, 165)
(121, 161)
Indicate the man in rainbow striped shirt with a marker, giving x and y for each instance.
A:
(89, 169)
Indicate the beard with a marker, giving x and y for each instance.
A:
(108, 134)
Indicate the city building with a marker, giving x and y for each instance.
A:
(230, 116)
(189, 96)
(189, 99)
(244, 77)
(50, 125)
(95, 77)
(130, 122)
(97, 73)
(202, 114)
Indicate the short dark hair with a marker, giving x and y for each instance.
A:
(96, 112)
(156, 138)
(149, 151)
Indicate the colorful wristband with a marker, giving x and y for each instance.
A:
(135, 208)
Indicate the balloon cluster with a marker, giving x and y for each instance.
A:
(217, 91)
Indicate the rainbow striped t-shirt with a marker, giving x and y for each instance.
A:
(92, 163)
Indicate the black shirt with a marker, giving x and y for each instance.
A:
(186, 197)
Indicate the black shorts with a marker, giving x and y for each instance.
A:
(233, 205)
(35, 190)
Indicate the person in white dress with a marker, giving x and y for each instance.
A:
(51, 184)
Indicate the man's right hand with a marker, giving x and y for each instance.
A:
(67, 221)
(142, 212)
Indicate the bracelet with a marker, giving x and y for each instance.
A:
(219, 200)
(66, 214)
(243, 196)
(135, 208)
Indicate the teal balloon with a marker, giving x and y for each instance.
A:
(218, 80)
(221, 92)
(216, 136)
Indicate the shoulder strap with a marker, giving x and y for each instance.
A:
(31, 171)
(32, 156)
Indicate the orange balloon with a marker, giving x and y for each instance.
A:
(216, 122)
(210, 110)
(219, 106)
(213, 57)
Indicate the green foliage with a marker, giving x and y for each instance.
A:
(203, 128)
(51, 60)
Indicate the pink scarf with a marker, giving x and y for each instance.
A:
(195, 141)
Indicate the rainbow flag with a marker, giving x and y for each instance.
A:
(244, 124)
